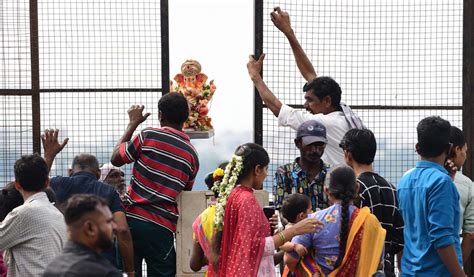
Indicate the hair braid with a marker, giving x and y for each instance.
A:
(344, 233)
(343, 186)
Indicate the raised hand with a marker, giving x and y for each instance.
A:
(255, 66)
(281, 20)
(136, 116)
(51, 144)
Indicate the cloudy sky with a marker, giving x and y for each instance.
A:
(219, 34)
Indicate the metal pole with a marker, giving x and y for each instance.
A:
(35, 76)
(165, 47)
(258, 50)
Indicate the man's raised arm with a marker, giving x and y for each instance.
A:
(281, 20)
(51, 145)
(136, 117)
(255, 67)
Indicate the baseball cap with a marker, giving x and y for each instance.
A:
(311, 131)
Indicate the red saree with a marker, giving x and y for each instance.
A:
(244, 233)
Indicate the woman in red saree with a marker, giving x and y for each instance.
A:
(244, 242)
(351, 240)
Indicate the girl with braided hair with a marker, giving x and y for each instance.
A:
(243, 244)
(351, 240)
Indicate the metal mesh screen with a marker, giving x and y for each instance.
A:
(95, 60)
(93, 121)
(396, 61)
(100, 44)
(14, 45)
(15, 111)
(15, 133)
(96, 45)
(396, 139)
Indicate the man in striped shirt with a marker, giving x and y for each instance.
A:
(375, 192)
(165, 163)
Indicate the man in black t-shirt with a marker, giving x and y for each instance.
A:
(375, 192)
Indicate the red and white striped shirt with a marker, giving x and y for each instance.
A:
(165, 163)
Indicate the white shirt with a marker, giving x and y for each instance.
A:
(33, 234)
(336, 127)
(466, 193)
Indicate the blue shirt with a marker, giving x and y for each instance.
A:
(429, 204)
(85, 182)
(325, 242)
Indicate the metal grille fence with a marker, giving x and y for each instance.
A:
(78, 66)
(93, 121)
(15, 66)
(92, 61)
(16, 135)
(99, 44)
(15, 76)
(396, 61)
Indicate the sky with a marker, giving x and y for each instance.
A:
(204, 31)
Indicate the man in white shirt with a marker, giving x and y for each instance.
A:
(322, 95)
(35, 232)
(466, 191)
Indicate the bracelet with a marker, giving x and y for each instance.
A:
(282, 237)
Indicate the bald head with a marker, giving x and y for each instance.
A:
(85, 162)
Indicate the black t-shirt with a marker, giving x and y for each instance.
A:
(381, 198)
(79, 260)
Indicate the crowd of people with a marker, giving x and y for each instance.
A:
(336, 215)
